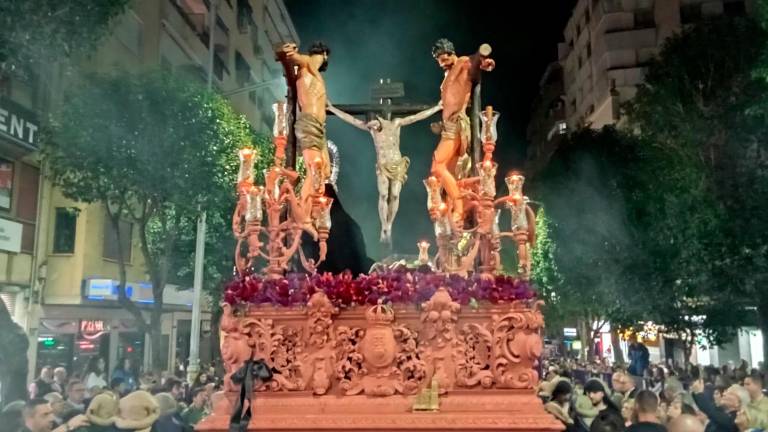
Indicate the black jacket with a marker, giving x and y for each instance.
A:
(719, 420)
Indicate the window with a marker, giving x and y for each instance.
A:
(690, 13)
(110, 240)
(644, 19)
(735, 8)
(242, 69)
(65, 229)
(6, 184)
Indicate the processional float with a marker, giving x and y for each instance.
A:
(448, 343)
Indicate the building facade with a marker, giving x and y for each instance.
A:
(58, 257)
(609, 43)
(608, 46)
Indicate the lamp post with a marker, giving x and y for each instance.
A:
(193, 369)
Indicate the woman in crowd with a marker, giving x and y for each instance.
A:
(560, 404)
(95, 376)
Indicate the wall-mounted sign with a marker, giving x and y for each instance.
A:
(19, 124)
(10, 236)
(139, 292)
(92, 329)
(570, 332)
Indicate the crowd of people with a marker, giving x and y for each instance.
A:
(656, 398)
(122, 401)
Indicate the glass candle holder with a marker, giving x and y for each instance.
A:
(280, 128)
(488, 132)
(254, 210)
(247, 159)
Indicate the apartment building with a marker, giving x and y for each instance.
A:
(63, 287)
(607, 47)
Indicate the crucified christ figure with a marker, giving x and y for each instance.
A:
(391, 166)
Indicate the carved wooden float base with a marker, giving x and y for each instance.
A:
(517, 410)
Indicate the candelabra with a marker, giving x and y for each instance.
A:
(473, 244)
(287, 217)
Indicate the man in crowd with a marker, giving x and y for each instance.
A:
(646, 413)
(38, 417)
(76, 396)
(42, 385)
(174, 386)
(624, 388)
(686, 423)
(721, 418)
(196, 410)
(757, 409)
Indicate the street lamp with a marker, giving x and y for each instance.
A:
(193, 369)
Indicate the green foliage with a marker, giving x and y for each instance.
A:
(544, 272)
(38, 32)
(591, 246)
(157, 150)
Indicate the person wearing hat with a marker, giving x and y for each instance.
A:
(137, 412)
(596, 402)
(101, 413)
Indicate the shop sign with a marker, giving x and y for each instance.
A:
(10, 236)
(570, 332)
(92, 329)
(19, 124)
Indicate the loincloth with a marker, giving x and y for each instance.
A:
(458, 126)
(310, 135)
(395, 171)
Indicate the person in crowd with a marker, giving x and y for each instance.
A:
(101, 412)
(646, 413)
(678, 408)
(117, 387)
(757, 409)
(718, 392)
(686, 423)
(170, 420)
(639, 359)
(598, 396)
(137, 411)
(58, 406)
(201, 380)
(175, 387)
(607, 422)
(673, 390)
(617, 384)
(60, 380)
(43, 384)
(559, 404)
(147, 382)
(722, 418)
(658, 378)
(628, 387)
(11, 415)
(95, 376)
(628, 412)
(196, 410)
(125, 371)
(38, 417)
(76, 396)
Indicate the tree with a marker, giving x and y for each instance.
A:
(582, 190)
(701, 117)
(37, 33)
(155, 149)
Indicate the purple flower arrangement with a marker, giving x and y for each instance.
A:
(393, 286)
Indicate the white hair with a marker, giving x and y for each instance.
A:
(741, 393)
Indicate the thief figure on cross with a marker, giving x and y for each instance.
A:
(391, 165)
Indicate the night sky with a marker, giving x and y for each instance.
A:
(371, 39)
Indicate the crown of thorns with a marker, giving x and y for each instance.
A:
(442, 46)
